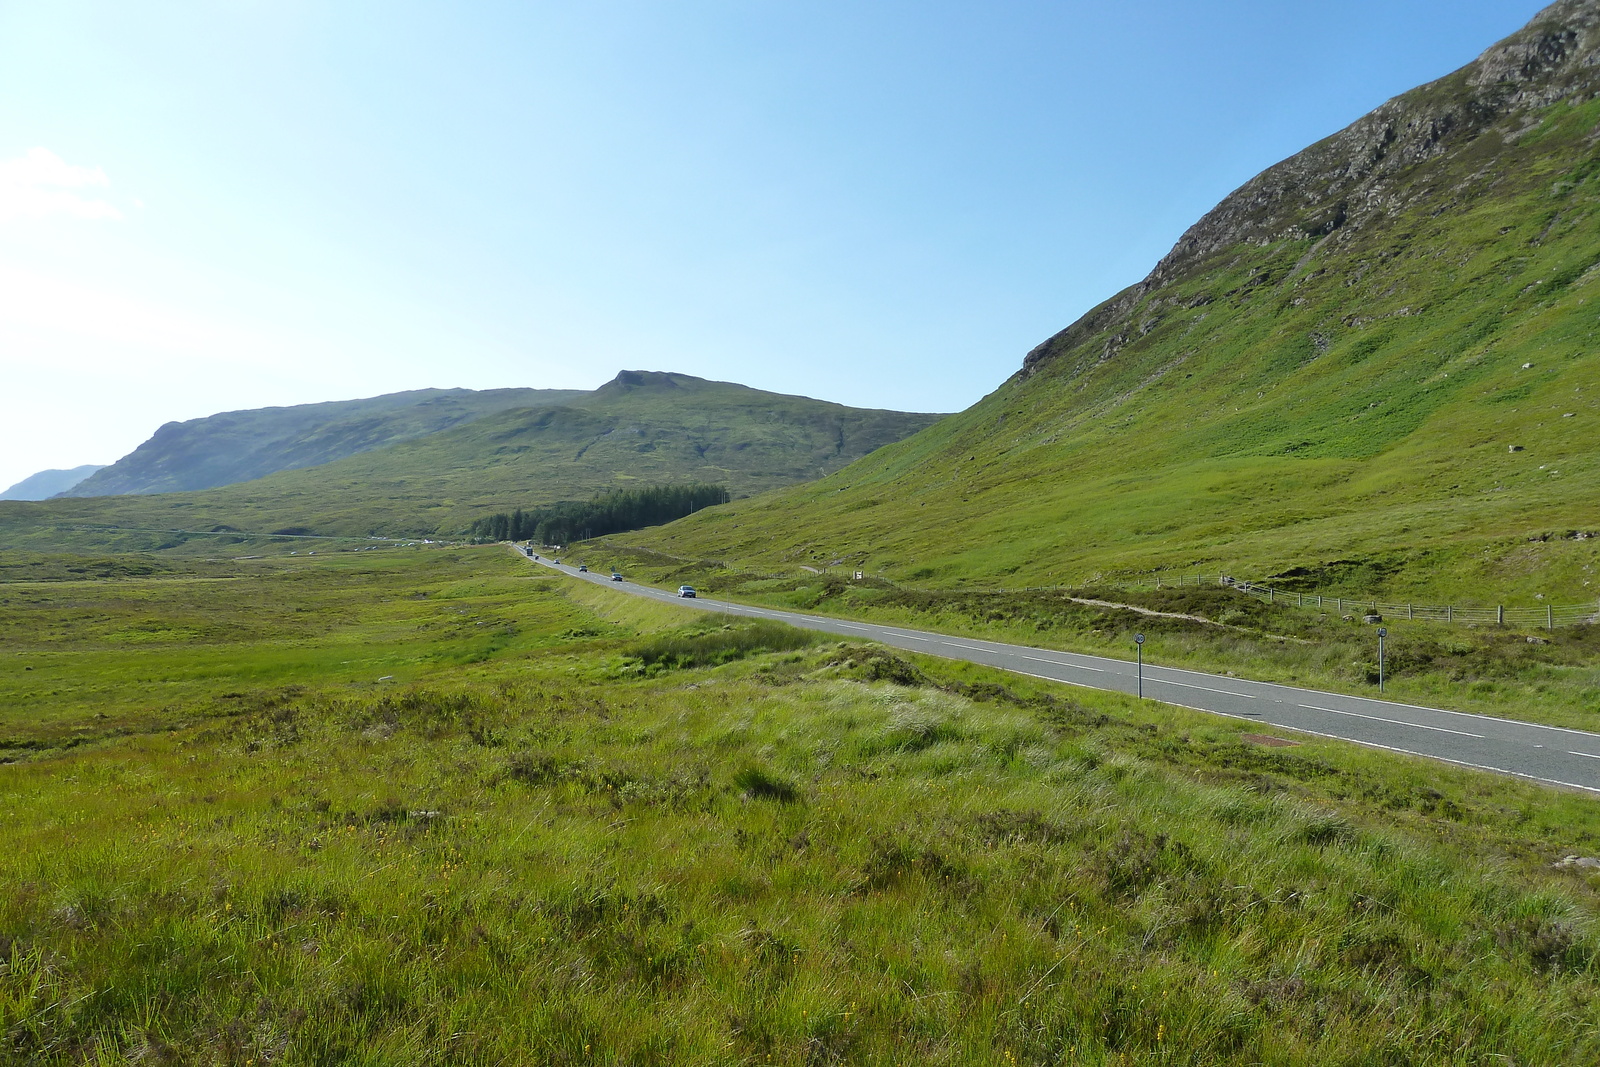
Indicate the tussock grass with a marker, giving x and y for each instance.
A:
(719, 639)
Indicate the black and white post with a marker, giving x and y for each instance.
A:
(1383, 631)
(1138, 642)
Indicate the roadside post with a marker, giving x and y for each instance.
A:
(1383, 631)
(1138, 642)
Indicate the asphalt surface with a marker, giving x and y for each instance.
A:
(1548, 754)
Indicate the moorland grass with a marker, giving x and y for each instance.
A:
(527, 856)
(82, 657)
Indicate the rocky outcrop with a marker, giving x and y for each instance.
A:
(1379, 164)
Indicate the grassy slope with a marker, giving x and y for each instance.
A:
(1277, 406)
(532, 849)
(645, 429)
(237, 446)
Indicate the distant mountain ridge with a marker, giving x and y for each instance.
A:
(641, 428)
(46, 484)
(239, 446)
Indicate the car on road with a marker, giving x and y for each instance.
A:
(686, 591)
(615, 577)
(583, 568)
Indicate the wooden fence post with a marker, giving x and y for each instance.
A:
(1549, 617)
(1500, 614)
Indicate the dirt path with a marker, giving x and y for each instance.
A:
(1180, 615)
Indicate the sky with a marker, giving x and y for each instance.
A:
(208, 206)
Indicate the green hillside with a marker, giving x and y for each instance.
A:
(1378, 356)
(641, 428)
(237, 446)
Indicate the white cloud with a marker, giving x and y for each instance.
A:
(113, 323)
(40, 183)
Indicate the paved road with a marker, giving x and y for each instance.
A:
(1544, 753)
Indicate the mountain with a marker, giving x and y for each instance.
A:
(643, 427)
(238, 446)
(48, 483)
(1377, 357)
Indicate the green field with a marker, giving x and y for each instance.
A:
(433, 806)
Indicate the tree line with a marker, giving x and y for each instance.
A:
(614, 511)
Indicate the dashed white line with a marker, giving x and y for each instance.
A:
(1396, 722)
(1058, 663)
(1591, 755)
(1207, 688)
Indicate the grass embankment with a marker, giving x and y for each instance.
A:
(572, 846)
(1543, 676)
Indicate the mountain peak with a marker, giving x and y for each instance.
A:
(648, 379)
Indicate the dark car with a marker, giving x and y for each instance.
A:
(583, 568)
(615, 577)
(686, 591)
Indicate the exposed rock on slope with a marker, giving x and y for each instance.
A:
(1371, 170)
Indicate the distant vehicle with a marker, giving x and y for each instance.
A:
(615, 577)
(686, 591)
(558, 563)
(583, 568)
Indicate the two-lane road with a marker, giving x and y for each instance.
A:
(1544, 753)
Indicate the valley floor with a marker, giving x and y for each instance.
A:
(433, 807)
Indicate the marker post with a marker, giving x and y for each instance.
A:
(1383, 631)
(1138, 642)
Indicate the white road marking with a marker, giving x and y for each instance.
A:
(1058, 663)
(1591, 755)
(1396, 722)
(1207, 688)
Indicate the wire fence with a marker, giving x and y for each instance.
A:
(1548, 616)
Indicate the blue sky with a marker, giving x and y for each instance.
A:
(216, 205)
